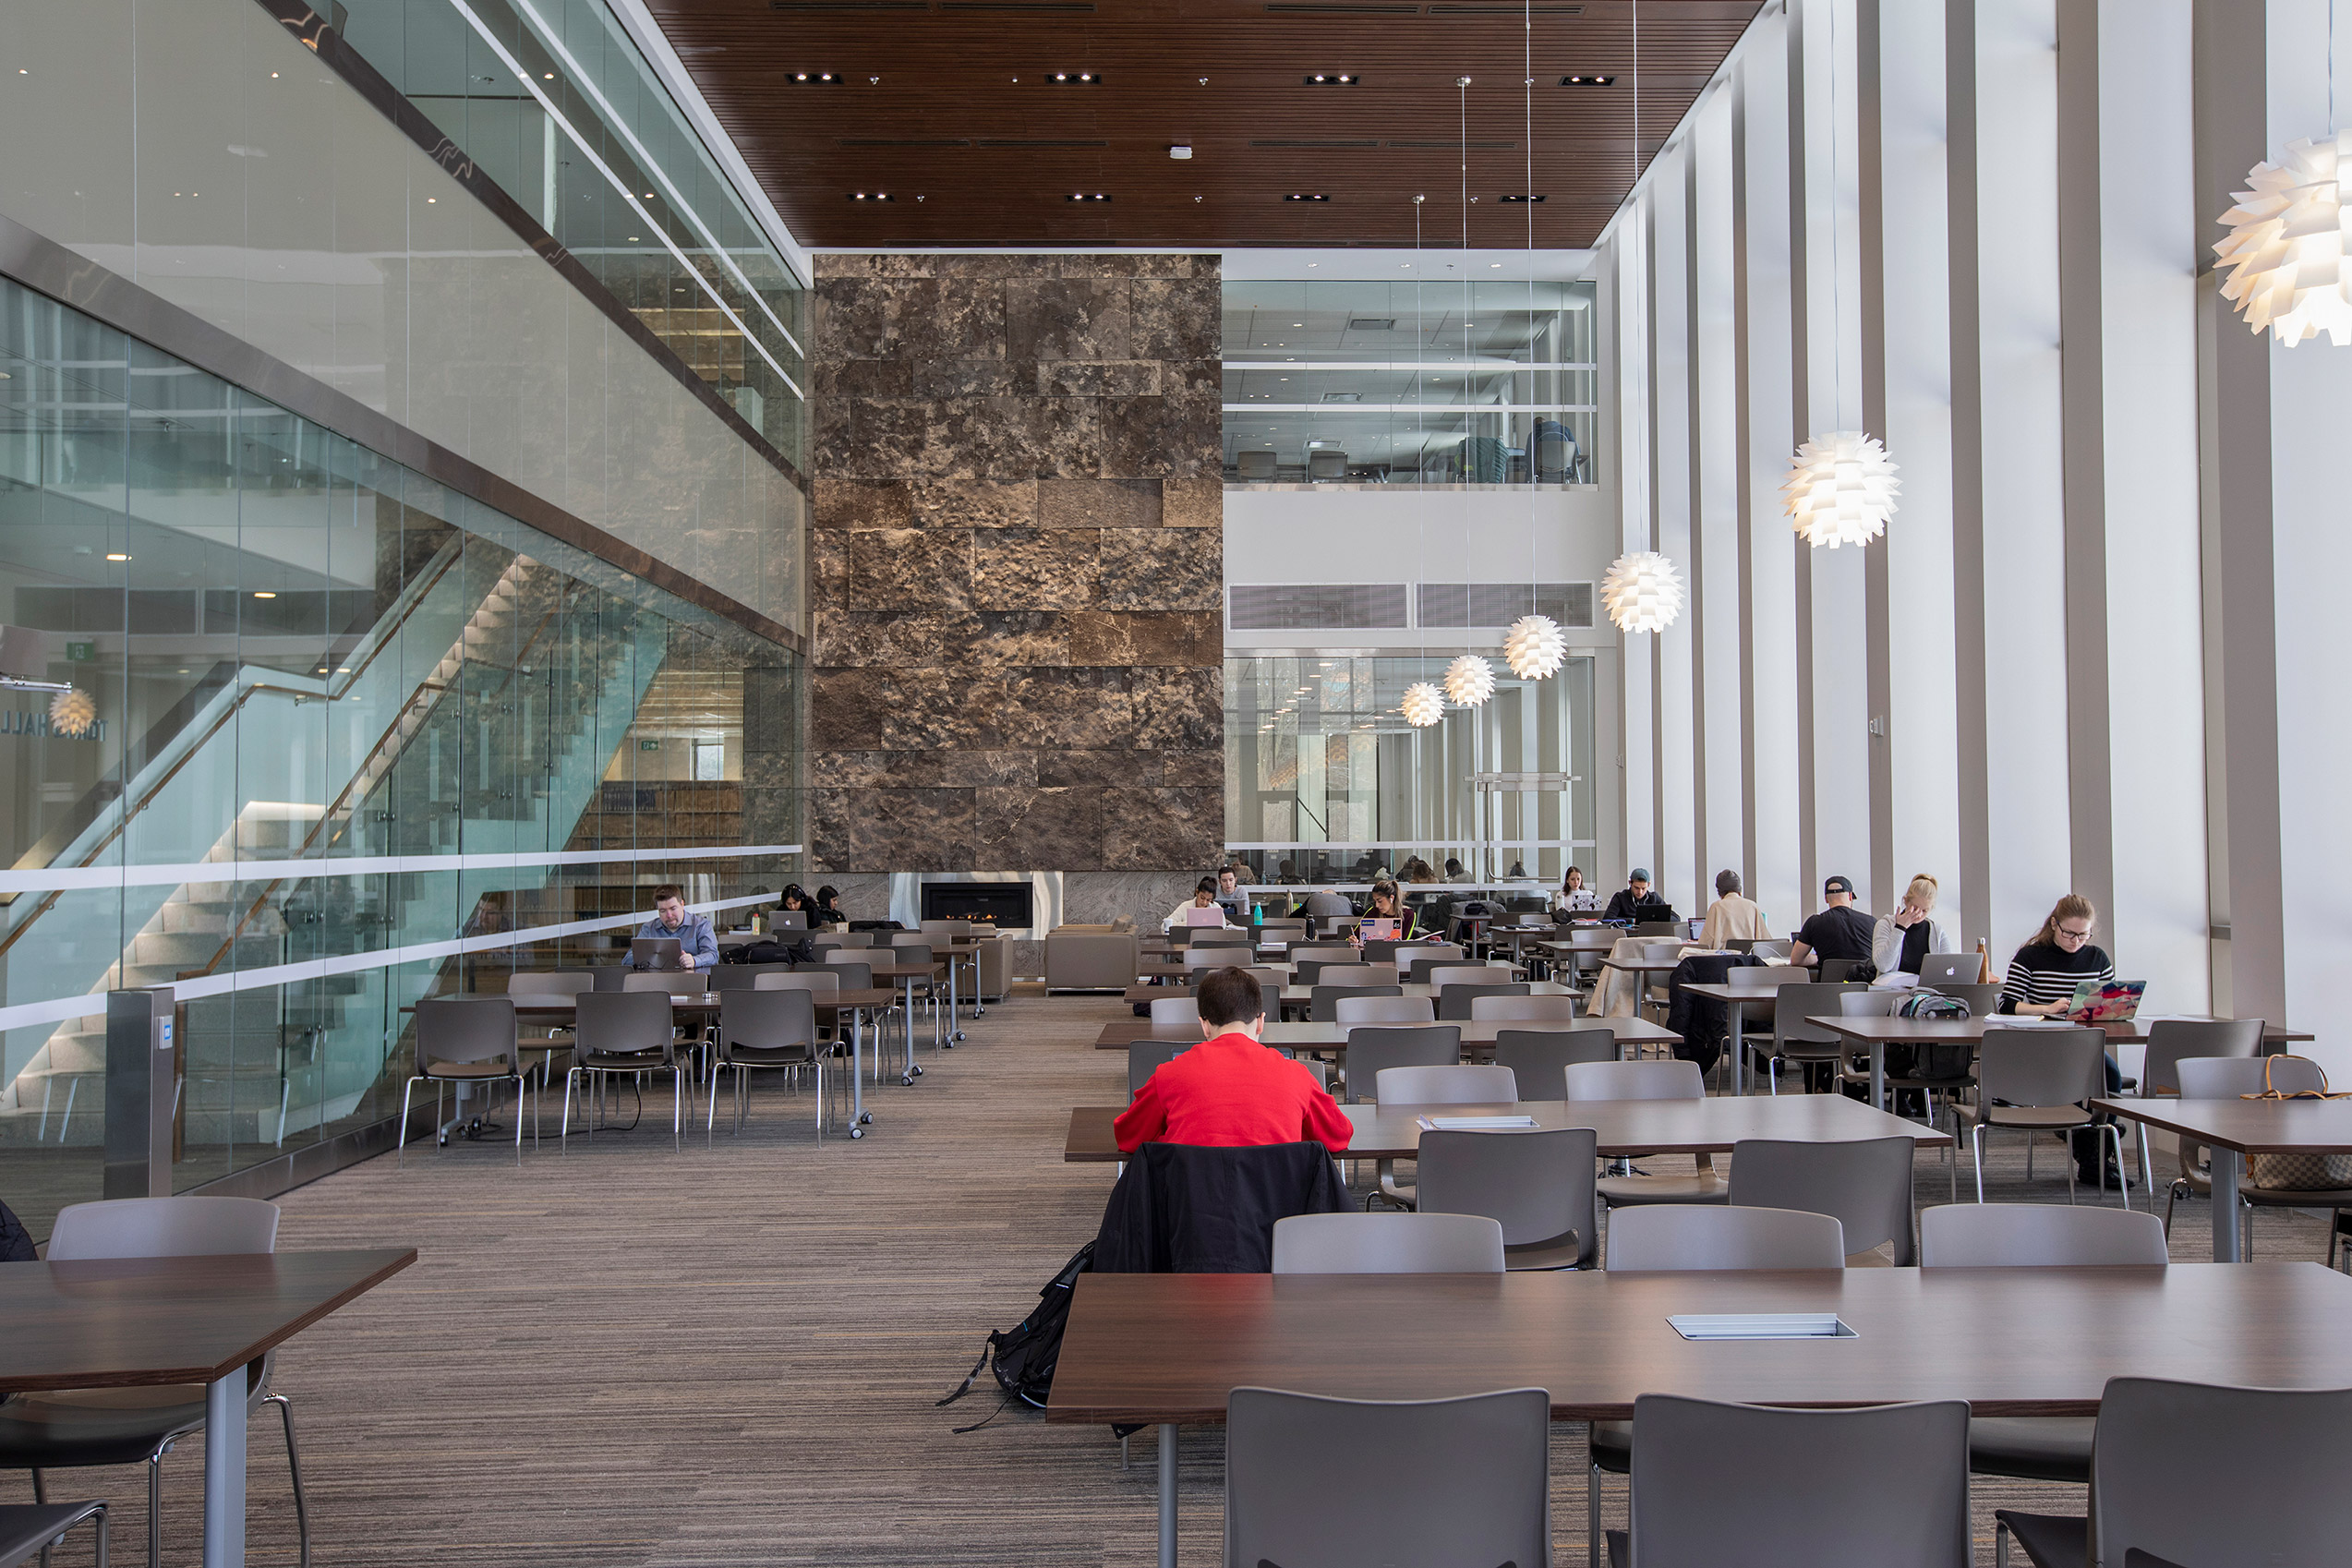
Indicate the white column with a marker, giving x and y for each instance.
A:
(1627, 275)
(1671, 369)
(1718, 625)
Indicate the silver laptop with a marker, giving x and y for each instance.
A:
(655, 952)
(1950, 968)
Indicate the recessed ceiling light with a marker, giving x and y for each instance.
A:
(265, 594)
(1521, 199)
(547, 76)
(1303, 195)
(1076, 78)
(815, 78)
(1340, 78)
(1494, 264)
(871, 196)
(1084, 195)
(1181, 152)
(1587, 78)
(1298, 323)
(116, 555)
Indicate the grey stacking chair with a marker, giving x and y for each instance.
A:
(2266, 1485)
(1714, 1484)
(469, 1040)
(1355, 1010)
(1145, 1058)
(1460, 1480)
(1322, 1001)
(740, 977)
(669, 981)
(1443, 975)
(1833, 971)
(1425, 956)
(1373, 1049)
(1538, 1185)
(1864, 1182)
(2032, 1081)
(823, 982)
(1388, 1244)
(73, 1428)
(856, 971)
(1540, 1057)
(1514, 1005)
(2169, 1040)
(1455, 1083)
(626, 1033)
(1792, 1039)
(1671, 1079)
(28, 1529)
(1174, 1009)
(1211, 937)
(2226, 1078)
(1458, 1002)
(1310, 970)
(760, 1029)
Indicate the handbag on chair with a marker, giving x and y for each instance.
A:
(2297, 1172)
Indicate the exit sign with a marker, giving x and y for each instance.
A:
(81, 653)
(649, 745)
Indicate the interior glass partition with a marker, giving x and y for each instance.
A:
(1409, 382)
(1326, 783)
(305, 735)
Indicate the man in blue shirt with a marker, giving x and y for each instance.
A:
(697, 945)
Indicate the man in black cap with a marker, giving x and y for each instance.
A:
(1629, 903)
(1841, 931)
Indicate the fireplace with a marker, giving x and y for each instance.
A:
(1008, 906)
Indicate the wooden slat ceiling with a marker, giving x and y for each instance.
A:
(968, 155)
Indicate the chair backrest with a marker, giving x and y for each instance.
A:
(767, 1020)
(1144, 1057)
(1174, 1009)
(1428, 956)
(1356, 1009)
(1344, 951)
(1322, 1000)
(1769, 977)
(1870, 1004)
(1514, 1007)
(2267, 1485)
(1329, 905)
(1539, 1058)
(2171, 1039)
(1393, 949)
(1459, 1480)
(826, 979)
(1634, 1080)
(1443, 975)
(1884, 1484)
(1455, 1083)
(1538, 1185)
(1707, 1235)
(843, 939)
(1352, 974)
(1833, 971)
(1866, 1183)
(671, 981)
(856, 972)
(1211, 936)
(2042, 1066)
(1254, 466)
(2226, 1077)
(742, 977)
(566, 984)
(454, 1030)
(1460, 1001)
(1198, 957)
(1792, 1005)
(1388, 1244)
(911, 953)
(1372, 1050)
(2027, 1236)
(162, 1227)
(947, 930)
(1984, 1001)
(625, 1023)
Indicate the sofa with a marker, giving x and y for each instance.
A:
(1091, 960)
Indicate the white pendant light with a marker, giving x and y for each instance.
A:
(1642, 592)
(1841, 489)
(1424, 704)
(1534, 647)
(2285, 250)
(1469, 681)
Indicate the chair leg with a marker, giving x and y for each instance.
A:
(294, 1467)
(677, 1110)
(563, 1138)
(1976, 1142)
(710, 1122)
(155, 1506)
(2115, 1135)
(400, 1147)
(2147, 1166)
(2000, 1545)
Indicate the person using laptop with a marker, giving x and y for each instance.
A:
(1574, 896)
(1386, 903)
(1229, 897)
(1901, 942)
(2041, 982)
(698, 947)
(1205, 898)
(1229, 1091)
(1839, 931)
(1635, 901)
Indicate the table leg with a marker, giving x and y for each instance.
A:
(1878, 1074)
(857, 1117)
(907, 997)
(955, 966)
(2229, 1167)
(224, 1471)
(1167, 1494)
(1739, 1041)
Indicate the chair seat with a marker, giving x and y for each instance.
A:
(1559, 1252)
(1699, 1187)
(2036, 1118)
(1612, 1446)
(25, 1527)
(74, 1428)
(2201, 1184)
(2051, 1540)
(2032, 1448)
(605, 1061)
(468, 1071)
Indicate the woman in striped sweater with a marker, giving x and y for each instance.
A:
(2042, 979)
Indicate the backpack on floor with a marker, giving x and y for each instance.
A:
(1025, 1354)
(1939, 1062)
(16, 1242)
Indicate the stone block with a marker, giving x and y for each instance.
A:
(1160, 569)
(916, 771)
(1151, 828)
(1161, 437)
(1066, 319)
(849, 503)
(1144, 637)
(976, 503)
(1178, 709)
(1039, 827)
(1034, 569)
(894, 829)
(1048, 708)
(1196, 503)
(1097, 503)
(1177, 319)
(909, 569)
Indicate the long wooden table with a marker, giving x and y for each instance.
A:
(1878, 1033)
(1331, 1039)
(1627, 1129)
(2236, 1129)
(1164, 1349)
(142, 1322)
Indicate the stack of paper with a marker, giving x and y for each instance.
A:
(1760, 1325)
(1474, 1124)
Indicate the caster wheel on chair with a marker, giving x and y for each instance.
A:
(443, 1140)
(866, 1117)
(906, 1081)
(857, 1132)
(918, 1073)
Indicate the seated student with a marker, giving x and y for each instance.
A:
(1229, 1091)
(1628, 903)
(826, 909)
(1387, 903)
(1841, 931)
(1731, 918)
(697, 945)
(795, 900)
(2040, 982)
(1204, 897)
(1901, 942)
(1574, 896)
(1229, 897)
(1453, 872)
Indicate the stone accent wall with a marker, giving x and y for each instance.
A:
(1017, 564)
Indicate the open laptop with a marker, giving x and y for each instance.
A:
(2112, 1003)
(1213, 915)
(655, 952)
(1377, 929)
(1950, 968)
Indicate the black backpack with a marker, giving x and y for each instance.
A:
(16, 1242)
(766, 951)
(1025, 1354)
(1939, 1062)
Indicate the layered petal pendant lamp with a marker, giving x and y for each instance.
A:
(1424, 704)
(1469, 681)
(2287, 244)
(1642, 592)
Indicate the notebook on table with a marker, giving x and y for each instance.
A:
(2114, 1002)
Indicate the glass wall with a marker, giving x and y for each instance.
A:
(553, 102)
(1325, 783)
(330, 737)
(1409, 382)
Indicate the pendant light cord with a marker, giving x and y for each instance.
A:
(1837, 249)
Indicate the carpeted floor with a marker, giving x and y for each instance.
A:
(627, 1355)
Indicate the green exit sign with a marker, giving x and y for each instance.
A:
(81, 653)
(649, 745)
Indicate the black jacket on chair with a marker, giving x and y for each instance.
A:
(1702, 1022)
(1187, 1209)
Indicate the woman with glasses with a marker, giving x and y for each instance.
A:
(2042, 980)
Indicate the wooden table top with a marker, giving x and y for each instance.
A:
(1598, 939)
(1733, 991)
(1927, 1031)
(1302, 993)
(137, 1321)
(1627, 1129)
(2250, 1126)
(708, 1002)
(1332, 1038)
(1643, 966)
(1170, 1348)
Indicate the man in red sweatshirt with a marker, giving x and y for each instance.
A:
(1229, 1089)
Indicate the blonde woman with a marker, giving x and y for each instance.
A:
(1901, 942)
